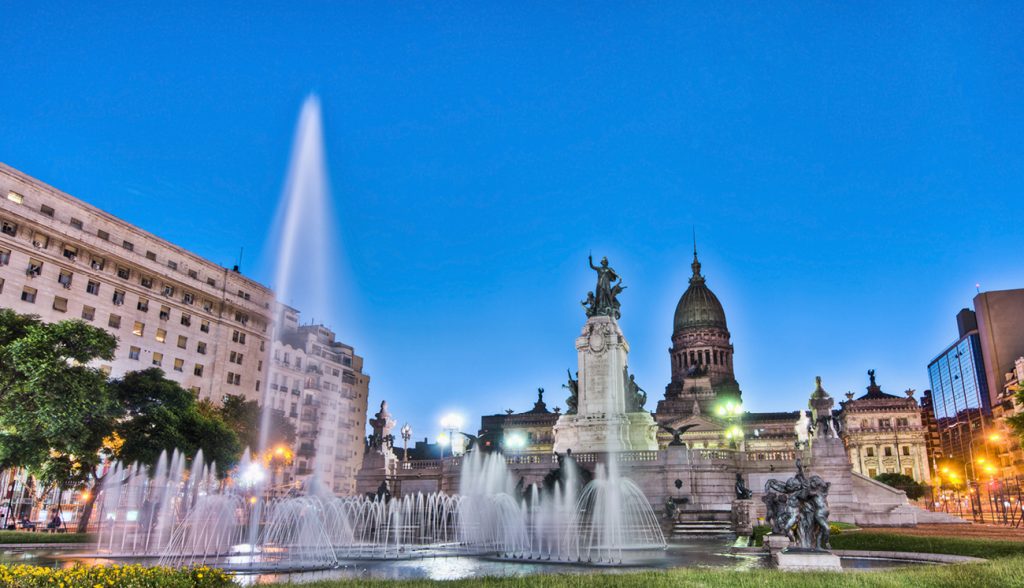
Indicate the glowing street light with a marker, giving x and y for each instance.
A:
(452, 423)
(515, 441)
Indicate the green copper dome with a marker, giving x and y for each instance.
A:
(698, 308)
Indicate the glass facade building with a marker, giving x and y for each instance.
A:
(960, 399)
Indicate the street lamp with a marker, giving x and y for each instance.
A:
(451, 423)
(406, 432)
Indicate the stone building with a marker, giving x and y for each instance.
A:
(1003, 440)
(523, 432)
(204, 325)
(885, 433)
(318, 383)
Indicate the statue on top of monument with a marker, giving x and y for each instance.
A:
(573, 386)
(602, 301)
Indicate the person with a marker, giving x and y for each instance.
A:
(25, 523)
(55, 522)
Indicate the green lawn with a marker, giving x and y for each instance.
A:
(870, 540)
(26, 537)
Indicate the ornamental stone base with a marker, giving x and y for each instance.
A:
(634, 431)
(800, 560)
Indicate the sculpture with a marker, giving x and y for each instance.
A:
(636, 397)
(677, 435)
(802, 429)
(801, 503)
(574, 390)
(742, 492)
(670, 508)
(382, 423)
(602, 301)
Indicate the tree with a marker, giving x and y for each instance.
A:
(1016, 421)
(159, 415)
(246, 418)
(912, 487)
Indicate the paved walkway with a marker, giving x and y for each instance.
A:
(973, 531)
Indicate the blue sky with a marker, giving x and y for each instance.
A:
(851, 171)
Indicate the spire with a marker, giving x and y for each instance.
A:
(696, 264)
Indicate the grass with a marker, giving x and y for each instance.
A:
(1008, 572)
(26, 537)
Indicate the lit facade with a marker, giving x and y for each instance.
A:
(205, 325)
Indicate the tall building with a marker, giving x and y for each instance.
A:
(319, 384)
(206, 326)
(960, 393)
(1001, 334)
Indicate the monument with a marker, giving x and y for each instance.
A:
(798, 515)
(606, 411)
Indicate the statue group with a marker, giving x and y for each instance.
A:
(603, 301)
(801, 503)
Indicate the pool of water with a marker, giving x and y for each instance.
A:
(709, 553)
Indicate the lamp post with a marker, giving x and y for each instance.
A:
(451, 423)
(406, 432)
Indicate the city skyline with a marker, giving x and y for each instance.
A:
(837, 207)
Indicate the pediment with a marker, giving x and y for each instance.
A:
(695, 424)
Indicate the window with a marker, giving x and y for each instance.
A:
(105, 370)
(128, 245)
(114, 321)
(182, 341)
(188, 298)
(902, 422)
(234, 378)
(139, 329)
(168, 290)
(161, 335)
(207, 306)
(60, 304)
(8, 228)
(124, 273)
(193, 274)
(151, 256)
(29, 295)
(98, 263)
(906, 450)
(88, 313)
(147, 282)
(158, 358)
(172, 264)
(40, 240)
(194, 390)
(909, 472)
(198, 370)
(204, 326)
(64, 279)
(76, 223)
(35, 268)
(186, 319)
(242, 317)
(870, 452)
(48, 211)
(143, 305)
(70, 252)
(165, 313)
(211, 282)
(235, 357)
(5, 256)
(872, 472)
(103, 234)
(179, 365)
(118, 297)
(887, 451)
(201, 348)
(92, 287)
(133, 353)
(15, 197)
(884, 423)
(238, 337)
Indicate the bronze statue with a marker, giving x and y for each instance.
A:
(677, 434)
(602, 301)
(742, 492)
(635, 396)
(801, 503)
(574, 390)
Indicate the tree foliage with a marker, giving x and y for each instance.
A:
(912, 487)
(246, 416)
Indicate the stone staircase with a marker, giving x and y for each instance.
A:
(706, 523)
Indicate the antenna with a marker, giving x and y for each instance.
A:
(241, 250)
(694, 241)
(977, 287)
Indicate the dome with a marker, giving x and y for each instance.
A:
(698, 308)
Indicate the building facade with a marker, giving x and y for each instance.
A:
(319, 385)
(1003, 439)
(1001, 334)
(204, 325)
(523, 432)
(960, 395)
(885, 434)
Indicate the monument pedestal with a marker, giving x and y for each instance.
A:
(806, 560)
(601, 423)
(742, 516)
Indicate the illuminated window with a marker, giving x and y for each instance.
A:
(161, 335)
(158, 358)
(60, 304)
(179, 365)
(139, 329)
(15, 197)
(182, 341)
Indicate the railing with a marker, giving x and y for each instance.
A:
(783, 455)
(422, 464)
(712, 454)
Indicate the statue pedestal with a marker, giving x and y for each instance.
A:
(806, 560)
(601, 423)
(742, 516)
(775, 543)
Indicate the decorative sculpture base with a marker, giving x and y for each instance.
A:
(634, 431)
(794, 559)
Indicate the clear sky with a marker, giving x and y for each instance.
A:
(851, 171)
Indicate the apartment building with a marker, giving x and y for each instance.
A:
(205, 325)
(319, 384)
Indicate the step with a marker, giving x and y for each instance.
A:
(702, 528)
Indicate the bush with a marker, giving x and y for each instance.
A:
(25, 537)
(912, 487)
(80, 576)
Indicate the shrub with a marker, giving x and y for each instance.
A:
(912, 487)
(80, 576)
